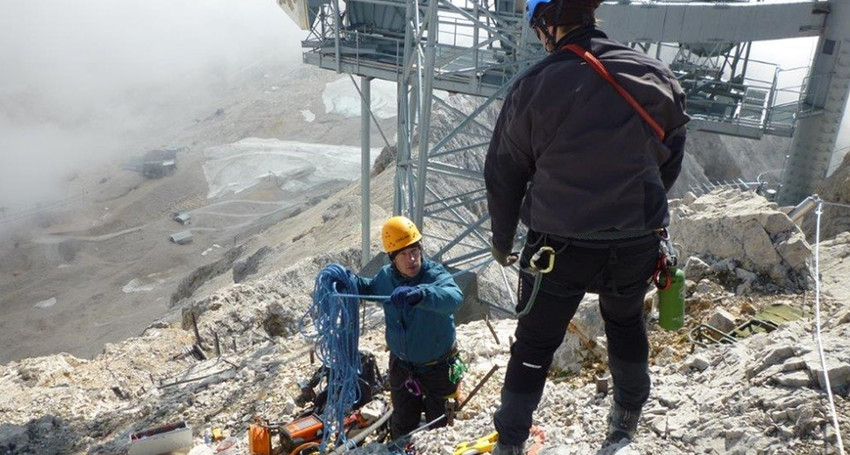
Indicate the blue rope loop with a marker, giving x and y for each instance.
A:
(336, 334)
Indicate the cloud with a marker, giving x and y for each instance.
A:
(86, 80)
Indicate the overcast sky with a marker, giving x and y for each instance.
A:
(84, 79)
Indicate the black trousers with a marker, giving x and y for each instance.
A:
(415, 389)
(618, 271)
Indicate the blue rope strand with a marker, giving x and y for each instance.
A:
(336, 334)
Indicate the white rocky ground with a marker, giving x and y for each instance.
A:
(761, 395)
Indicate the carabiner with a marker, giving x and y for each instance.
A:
(412, 386)
(662, 267)
(671, 256)
(536, 257)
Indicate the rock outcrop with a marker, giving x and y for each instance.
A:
(744, 239)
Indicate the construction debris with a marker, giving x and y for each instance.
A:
(162, 439)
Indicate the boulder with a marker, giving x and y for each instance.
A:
(747, 235)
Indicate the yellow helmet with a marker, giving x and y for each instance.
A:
(399, 232)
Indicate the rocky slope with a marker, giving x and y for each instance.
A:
(762, 394)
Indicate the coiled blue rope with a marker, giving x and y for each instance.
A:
(336, 335)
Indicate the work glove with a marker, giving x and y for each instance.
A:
(406, 295)
(504, 259)
(339, 285)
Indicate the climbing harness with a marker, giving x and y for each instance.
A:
(456, 368)
(456, 410)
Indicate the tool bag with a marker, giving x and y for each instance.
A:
(370, 380)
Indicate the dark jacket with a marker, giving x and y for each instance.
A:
(570, 156)
(422, 333)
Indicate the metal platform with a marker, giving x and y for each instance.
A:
(479, 47)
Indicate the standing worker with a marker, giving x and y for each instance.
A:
(587, 171)
(420, 327)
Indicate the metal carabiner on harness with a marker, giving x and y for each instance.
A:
(668, 251)
(412, 386)
(532, 264)
(662, 269)
(667, 257)
(537, 272)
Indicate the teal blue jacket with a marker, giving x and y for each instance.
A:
(422, 333)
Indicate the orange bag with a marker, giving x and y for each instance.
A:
(259, 439)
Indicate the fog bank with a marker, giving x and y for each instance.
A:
(87, 81)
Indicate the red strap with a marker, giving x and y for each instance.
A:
(600, 68)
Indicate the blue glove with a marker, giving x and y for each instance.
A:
(406, 295)
(339, 285)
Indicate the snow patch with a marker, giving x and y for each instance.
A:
(136, 285)
(308, 115)
(342, 97)
(46, 303)
(296, 165)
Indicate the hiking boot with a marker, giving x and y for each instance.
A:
(622, 424)
(502, 449)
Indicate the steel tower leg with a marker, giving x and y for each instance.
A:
(365, 171)
(402, 200)
(813, 148)
(426, 79)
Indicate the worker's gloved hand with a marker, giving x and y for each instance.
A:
(504, 259)
(406, 295)
(339, 284)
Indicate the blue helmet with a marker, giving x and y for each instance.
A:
(583, 7)
(530, 6)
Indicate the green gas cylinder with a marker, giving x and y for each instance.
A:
(671, 301)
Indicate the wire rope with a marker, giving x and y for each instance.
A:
(826, 384)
